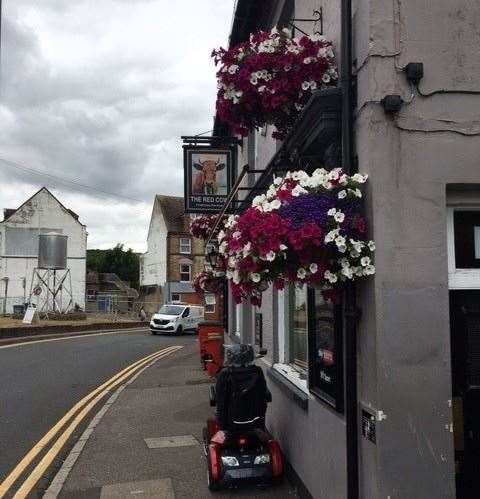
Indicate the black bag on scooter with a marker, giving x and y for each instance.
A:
(247, 402)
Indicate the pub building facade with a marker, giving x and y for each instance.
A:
(415, 372)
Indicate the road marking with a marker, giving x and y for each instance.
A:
(89, 335)
(88, 401)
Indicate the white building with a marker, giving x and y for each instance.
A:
(153, 263)
(42, 213)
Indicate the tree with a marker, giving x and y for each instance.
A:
(117, 261)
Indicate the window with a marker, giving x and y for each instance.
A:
(91, 294)
(185, 273)
(297, 357)
(175, 297)
(185, 246)
(310, 344)
(210, 301)
(325, 373)
(467, 239)
(463, 242)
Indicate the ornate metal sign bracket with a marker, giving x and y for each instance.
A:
(318, 18)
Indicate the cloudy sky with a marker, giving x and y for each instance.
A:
(98, 92)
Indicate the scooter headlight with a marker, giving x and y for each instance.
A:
(262, 459)
(230, 461)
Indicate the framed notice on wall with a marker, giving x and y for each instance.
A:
(209, 174)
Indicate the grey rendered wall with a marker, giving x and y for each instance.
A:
(404, 339)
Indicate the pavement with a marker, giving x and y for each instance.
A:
(148, 443)
(43, 379)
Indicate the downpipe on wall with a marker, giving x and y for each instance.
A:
(350, 316)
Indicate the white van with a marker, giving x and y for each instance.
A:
(176, 318)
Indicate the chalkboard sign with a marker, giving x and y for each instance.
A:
(258, 330)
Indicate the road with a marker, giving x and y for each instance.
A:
(40, 382)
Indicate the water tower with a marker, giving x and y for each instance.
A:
(51, 285)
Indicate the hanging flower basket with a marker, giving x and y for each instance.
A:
(202, 225)
(307, 229)
(270, 78)
(209, 281)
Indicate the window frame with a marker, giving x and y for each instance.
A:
(459, 278)
(335, 400)
(184, 272)
(183, 242)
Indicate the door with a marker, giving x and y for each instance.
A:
(465, 341)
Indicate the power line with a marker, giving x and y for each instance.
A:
(65, 181)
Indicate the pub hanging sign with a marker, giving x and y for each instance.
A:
(209, 174)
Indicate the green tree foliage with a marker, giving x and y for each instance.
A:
(124, 263)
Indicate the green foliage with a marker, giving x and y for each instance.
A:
(124, 263)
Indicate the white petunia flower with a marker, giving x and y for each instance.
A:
(255, 277)
(347, 272)
(369, 270)
(278, 180)
(331, 212)
(339, 217)
(297, 190)
(354, 253)
(313, 268)
(283, 247)
(247, 249)
(365, 261)
(343, 180)
(371, 245)
(340, 241)
(223, 247)
(258, 200)
(270, 256)
(307, 60)
(342, 194)
(359, 178)
(326, 78)
(305, 85)
(221, 236)
(331, 235)
(332, 278)
(275, 204)
(233, 69)
(301, 273)
(237, 235)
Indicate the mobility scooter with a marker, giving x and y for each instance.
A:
(237, 446)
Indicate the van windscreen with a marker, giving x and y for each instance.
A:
(171, 310)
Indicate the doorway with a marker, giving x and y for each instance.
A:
(465, 350)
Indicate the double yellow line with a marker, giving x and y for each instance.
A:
(78, 412)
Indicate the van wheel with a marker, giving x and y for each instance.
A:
(180, 330)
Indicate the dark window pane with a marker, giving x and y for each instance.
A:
(325, 367)
(466, 230)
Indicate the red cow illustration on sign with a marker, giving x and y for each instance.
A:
(206, 180)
